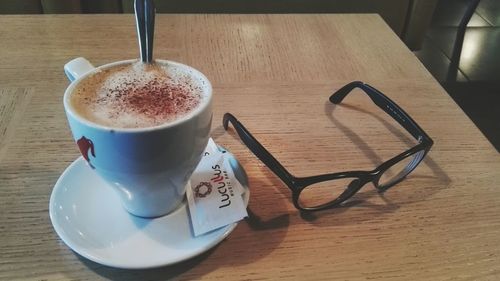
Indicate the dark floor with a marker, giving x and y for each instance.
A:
(475, 84)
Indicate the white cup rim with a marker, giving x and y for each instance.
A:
(70, 110)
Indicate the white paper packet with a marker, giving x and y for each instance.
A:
(211, 148)
(214, 197)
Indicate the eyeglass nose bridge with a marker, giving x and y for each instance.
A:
(353, 187)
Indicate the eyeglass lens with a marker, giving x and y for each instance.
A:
(400, 170)
(318, 194)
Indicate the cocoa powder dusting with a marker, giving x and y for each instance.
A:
(157, 100)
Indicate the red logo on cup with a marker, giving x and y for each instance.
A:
(203, 189)
(85, 144)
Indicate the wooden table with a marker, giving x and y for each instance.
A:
(275, 73)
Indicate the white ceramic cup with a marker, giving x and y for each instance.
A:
(148, 167)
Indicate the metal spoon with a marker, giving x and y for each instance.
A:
(145, 21)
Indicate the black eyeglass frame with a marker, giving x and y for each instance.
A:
(360, 178)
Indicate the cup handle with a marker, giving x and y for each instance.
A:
(76, 68)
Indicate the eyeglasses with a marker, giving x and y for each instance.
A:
(320, 192)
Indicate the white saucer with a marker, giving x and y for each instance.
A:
(87, 214)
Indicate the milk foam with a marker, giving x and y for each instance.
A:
(137, 95)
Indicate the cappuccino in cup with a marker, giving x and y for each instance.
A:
(141, 127)
(138, 95)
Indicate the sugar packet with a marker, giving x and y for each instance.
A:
(215, 195)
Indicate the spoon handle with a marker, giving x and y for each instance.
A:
(150, 28)
(141, 28)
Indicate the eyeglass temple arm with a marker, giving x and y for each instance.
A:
(257, 148)
(384, 103)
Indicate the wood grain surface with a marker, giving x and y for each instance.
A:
(275, 73)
